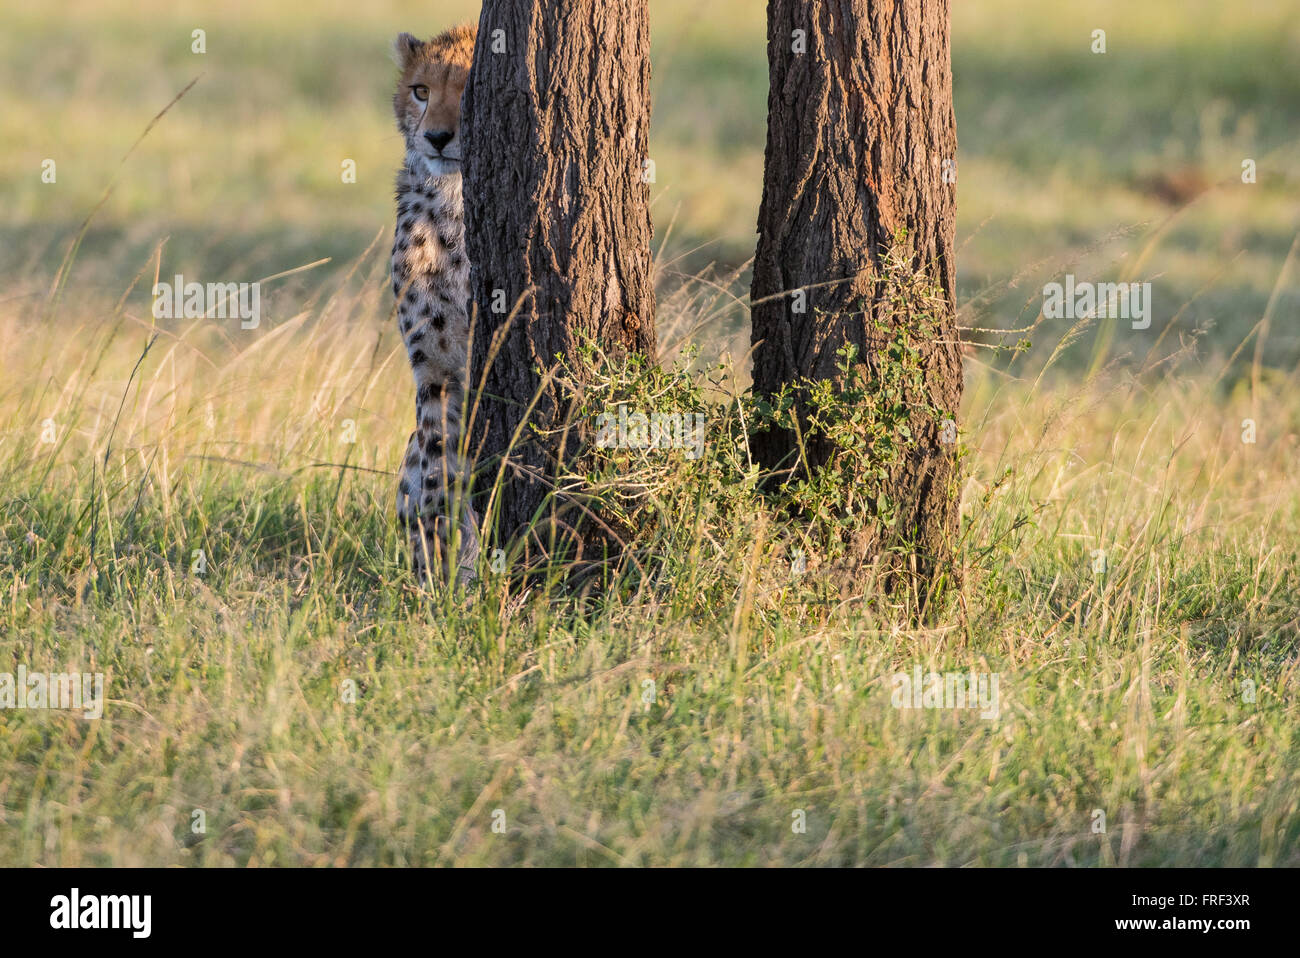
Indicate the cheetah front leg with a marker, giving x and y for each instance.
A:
(423, 508)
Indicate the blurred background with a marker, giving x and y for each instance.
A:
(1122, 165)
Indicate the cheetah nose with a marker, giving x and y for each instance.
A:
(439, 138)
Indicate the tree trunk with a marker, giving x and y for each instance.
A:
(556, 123)
(861, 158)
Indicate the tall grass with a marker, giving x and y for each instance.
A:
(687, 717)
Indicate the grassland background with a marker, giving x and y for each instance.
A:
(1122, 692)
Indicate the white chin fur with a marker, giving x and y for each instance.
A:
(437, 166)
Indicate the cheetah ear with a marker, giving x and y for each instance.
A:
(404, 48)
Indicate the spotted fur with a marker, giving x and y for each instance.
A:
(431, 286)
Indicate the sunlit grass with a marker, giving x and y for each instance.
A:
(685, 717)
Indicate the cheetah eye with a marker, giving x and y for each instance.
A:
(420, 92)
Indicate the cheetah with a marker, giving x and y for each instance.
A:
(431, 285)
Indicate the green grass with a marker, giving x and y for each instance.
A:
(1120, 691)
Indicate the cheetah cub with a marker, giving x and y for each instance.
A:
(431, 285)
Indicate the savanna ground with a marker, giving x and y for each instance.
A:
(690, 714)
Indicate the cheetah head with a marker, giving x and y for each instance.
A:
(427, 101)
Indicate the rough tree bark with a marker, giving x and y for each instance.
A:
(861, 145)
(556, 124)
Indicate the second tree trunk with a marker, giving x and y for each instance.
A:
(861, 158)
